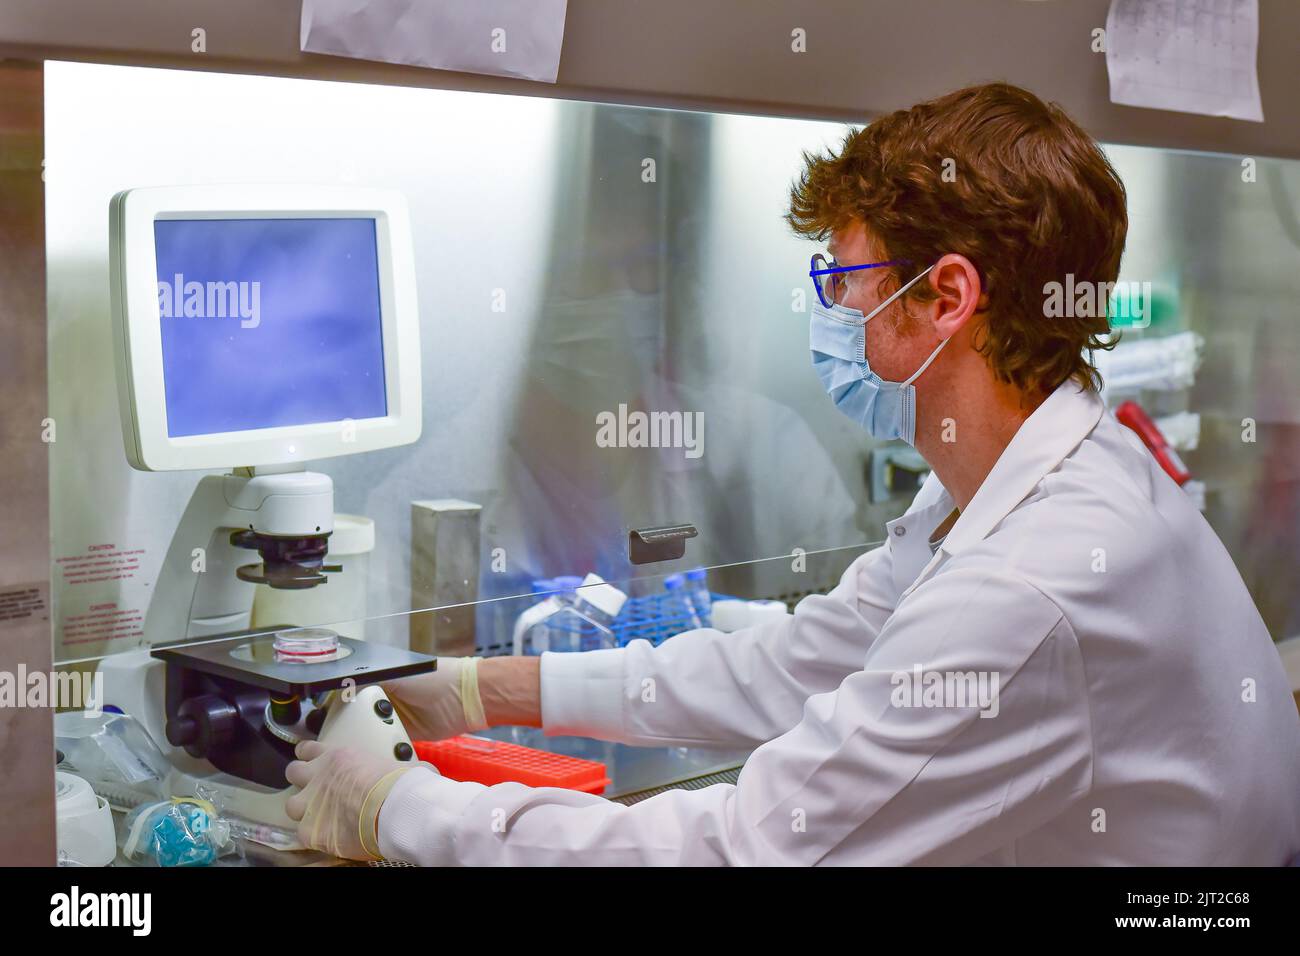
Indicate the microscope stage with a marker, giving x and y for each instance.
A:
(249, 658)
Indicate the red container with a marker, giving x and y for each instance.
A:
(1130, 413)
(494, 761)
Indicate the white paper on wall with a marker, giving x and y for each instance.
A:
(498, 37)
(1192, 56)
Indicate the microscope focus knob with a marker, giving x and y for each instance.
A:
(203, 724)
(316, 719)
(403, 751)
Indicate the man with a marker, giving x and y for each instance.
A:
(1051, 660)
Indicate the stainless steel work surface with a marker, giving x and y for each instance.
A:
(631, 770)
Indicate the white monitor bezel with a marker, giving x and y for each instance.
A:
(137, 325)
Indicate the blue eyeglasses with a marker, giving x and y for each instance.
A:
(826, 275)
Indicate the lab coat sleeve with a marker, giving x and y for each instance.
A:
(868, 776)
(704, 687)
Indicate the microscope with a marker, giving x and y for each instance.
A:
(325, 363)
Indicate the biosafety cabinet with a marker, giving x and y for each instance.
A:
(612, 347)
(606, 361)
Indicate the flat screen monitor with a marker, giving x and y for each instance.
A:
(263, 325)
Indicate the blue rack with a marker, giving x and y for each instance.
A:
(651, 618)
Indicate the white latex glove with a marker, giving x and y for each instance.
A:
(442, 703)
(342, 791)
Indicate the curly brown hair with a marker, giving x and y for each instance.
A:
(1029, 198)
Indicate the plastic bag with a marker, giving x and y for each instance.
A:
(185, 831)
(114, 754)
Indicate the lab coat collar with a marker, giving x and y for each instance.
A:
(1047, 436)
(909, 534)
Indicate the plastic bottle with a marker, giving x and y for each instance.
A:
(563, 628)
(576, 615)
(679, 602)
(534, 638)
(567, 585)
(697, 583)
(600, 604)
(537, 637)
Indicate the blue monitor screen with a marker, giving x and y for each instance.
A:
(269, 322)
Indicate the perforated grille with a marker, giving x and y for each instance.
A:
(694, 783)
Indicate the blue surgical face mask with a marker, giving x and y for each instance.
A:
(838, 342)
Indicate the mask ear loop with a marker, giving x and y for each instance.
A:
(915, 280)
(926, 364)
(933, 355)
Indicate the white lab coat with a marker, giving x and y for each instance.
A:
(1142, 715)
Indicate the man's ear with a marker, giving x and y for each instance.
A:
(957, 281)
